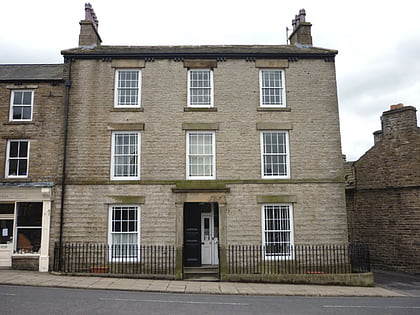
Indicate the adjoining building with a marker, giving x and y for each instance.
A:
(383, 195)
(31, 151)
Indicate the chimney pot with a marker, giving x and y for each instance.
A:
(399, 105)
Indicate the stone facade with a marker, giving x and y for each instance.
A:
(383, 201)
(44, 131)
(315, 187)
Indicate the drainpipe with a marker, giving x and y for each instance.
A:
(63, 176)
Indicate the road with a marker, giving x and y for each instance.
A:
(40, 300)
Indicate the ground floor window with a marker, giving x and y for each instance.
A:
(277, 227)
(28, 227)
(124, 227)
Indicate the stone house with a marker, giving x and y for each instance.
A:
(203, 146)
(383, 195)
(31, 143)
(197, 147)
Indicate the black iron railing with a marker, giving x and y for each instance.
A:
(115, 259)
(298, 259)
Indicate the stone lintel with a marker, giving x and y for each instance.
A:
(200, 63)
(276, 198)
(274, 126)
(124, 199)
(200, 126)
(127, 63)
(126, 126)
(271, 63)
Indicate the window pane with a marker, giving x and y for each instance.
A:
(26, 112)
(13, 149)
(29, 214)
(17, 98)
(23, 149)
(7, 208)
(28, 240)
(27, 98)
(13, 167)
(22, 167)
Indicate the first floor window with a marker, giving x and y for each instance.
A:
(201, 157)
(127, 88)
(272, 89)
(200, 88)
(275, 154)
(125, 155)
(21, 104)
(124, 226)
(17, 158)
(277, 227)
(28, 227)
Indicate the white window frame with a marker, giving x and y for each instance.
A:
(12, 105)
(117, 89)
(137, 176)
(8, 158)
(282, 89)
(189, 103)
(18, 227)
(263, 153)
(193, 177)
(278, 256)
(111, 233)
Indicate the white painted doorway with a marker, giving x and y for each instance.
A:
(6, 241)
(209, 237)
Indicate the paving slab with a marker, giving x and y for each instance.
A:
(33, 278)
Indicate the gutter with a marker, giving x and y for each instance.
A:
(63, 175)
(216, 55)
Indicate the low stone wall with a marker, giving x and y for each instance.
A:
(350, 279)
(25, 263)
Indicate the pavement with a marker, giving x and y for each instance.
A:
(43, 279)
(404, 283)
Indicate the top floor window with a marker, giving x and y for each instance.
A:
(127, 88)
(200, 88)
(272, 88)
(21, 104)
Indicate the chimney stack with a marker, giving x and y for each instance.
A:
(301, 34)
(89, 37)
(398, 119)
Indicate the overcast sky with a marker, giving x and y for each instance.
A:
(378, 63)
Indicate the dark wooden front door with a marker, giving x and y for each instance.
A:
(192, 235)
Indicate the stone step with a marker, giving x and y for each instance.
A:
(205, 273)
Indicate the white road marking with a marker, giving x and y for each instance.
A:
(169, 301)
(367, 306)
(8, 294)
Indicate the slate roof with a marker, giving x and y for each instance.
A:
(270, 51)
(31, 72)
